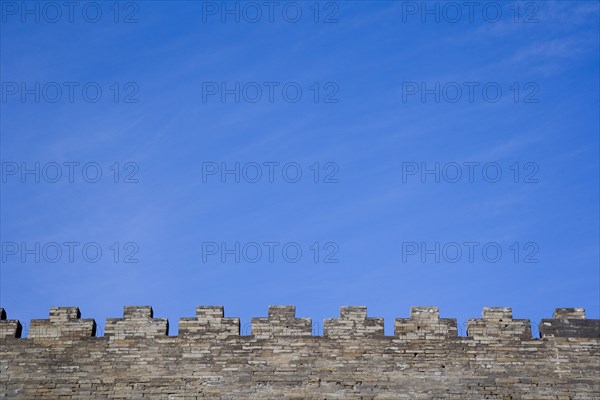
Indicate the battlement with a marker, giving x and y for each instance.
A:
(498, 323)
(425, 358)
(425, 323)
(353, 323)
(9, 328)
(136, 321)
(569, 322)
(64, 322)
(281, 321)
(210, 322)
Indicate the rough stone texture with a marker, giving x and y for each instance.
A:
(569, 322)
(9, 328)
(425, 323)
(209, 324)
(63, 322)
(353, 323)
(136, 321)
(282, 321)
(425, 359)
(498, 323)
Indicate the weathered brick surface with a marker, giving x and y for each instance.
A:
(425, 359)
(209, 324)
(63, 321)
(497, 322)
(569, 322)
(136, 321)
(425, 323)
(353, 323)
(9, 328)
(282, 321)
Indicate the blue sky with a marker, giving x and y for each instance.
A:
(379, 84)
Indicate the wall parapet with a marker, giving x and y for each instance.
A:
(281, 359)
(498, 323)
(9, 328)
(136, 321)
(425, 323)
(353, 323)
(64, 322)
(569, 322)
(281, 322)
(210, 323)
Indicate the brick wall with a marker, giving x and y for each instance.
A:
(62, 358)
